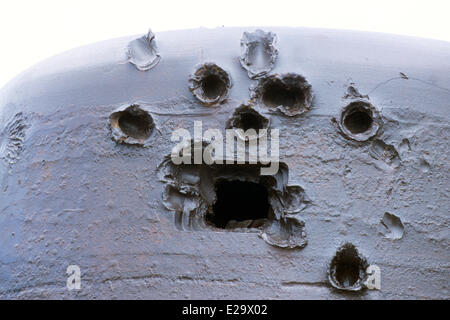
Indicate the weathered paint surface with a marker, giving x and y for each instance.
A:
(71, 194)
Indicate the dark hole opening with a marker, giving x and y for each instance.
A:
(239, 201)
(249, 120)
(278, 94)
(213, 86)
(347, 266)
(136, 124)
(358, 121)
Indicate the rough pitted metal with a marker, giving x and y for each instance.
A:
(72, 195)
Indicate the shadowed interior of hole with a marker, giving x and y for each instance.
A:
(248, 120)
(278, 94)
(239, 201)
(213, 86)
(347, 267)
(358, 121)
(137, 126)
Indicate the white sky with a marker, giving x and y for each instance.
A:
(32, 30)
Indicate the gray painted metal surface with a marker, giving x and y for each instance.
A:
(75, 192)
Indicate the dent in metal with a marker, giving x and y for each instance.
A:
(394, 226)
(384, 152)
(259, 53)
(143, 52)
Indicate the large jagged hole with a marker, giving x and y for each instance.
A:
(239, 201)
(348, 268)
(235, 198)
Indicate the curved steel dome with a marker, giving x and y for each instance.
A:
(363, 125)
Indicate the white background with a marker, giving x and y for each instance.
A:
(33, 30)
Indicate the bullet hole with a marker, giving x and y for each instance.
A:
(245, 117)
(132, 125)
(135, 126)
(289, 94)
(213, 86)
(210, 84)
(250, 121)
(359, 121)
(239, 204)
(348, 269)
(277, 94)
